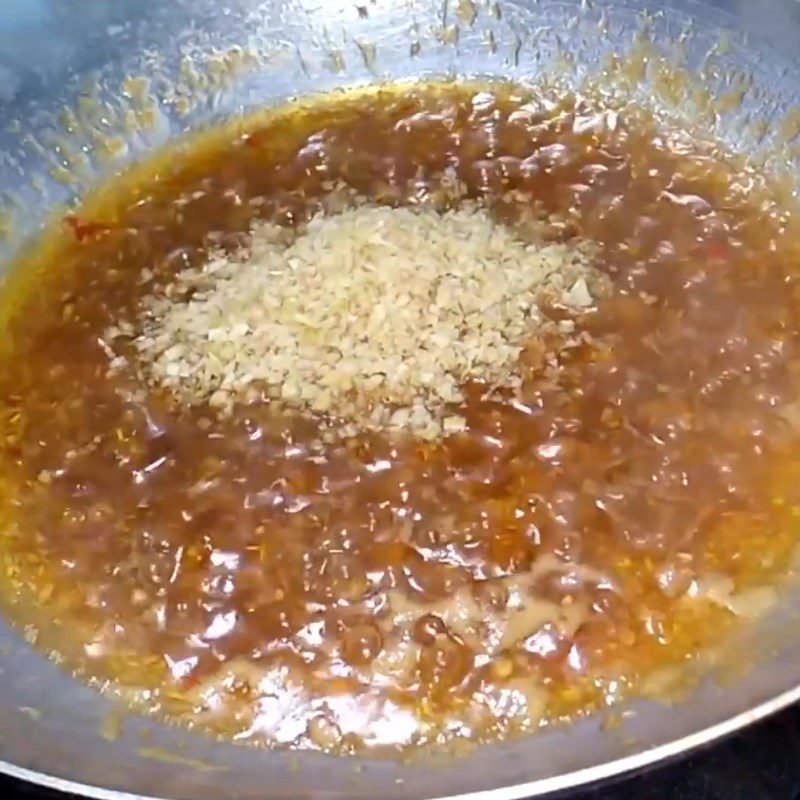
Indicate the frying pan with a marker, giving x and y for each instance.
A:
(203, 60)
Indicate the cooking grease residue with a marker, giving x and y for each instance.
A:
(604, 523)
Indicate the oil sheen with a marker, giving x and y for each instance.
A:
(602, 525)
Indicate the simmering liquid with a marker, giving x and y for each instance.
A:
(602, 523)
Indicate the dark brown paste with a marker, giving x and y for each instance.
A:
(240, 575)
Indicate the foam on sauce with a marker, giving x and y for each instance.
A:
(604, 523)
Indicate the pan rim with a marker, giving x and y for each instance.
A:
(539, 787)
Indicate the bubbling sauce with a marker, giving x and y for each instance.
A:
(603, 523)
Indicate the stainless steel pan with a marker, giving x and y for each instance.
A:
(76, 54)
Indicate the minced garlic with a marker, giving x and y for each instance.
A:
(372, 318)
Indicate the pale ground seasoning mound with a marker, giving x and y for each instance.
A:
(374, 317)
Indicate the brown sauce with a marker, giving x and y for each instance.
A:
(234, 575)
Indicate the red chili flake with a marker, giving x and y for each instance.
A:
(255, 140)
(717, 251)
(84, 230)
(189, 682)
